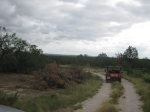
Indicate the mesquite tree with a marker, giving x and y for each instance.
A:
(130, 54)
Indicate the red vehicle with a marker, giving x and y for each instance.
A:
(113, 73)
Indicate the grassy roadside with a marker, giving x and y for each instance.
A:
(116, 93)
(108, 106)
(63, 98)
(142, 85)
(8, 99)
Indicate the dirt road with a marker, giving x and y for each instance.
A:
(92, 104)
(129, 102)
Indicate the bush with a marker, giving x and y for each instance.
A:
(129, 71)
(6, 99)
(146, 71)
(146, 78)
(134, 72)
(137, 73)
(53, 77)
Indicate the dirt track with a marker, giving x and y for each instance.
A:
(92, 104)
(129, 102)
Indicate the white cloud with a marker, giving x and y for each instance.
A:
(138, 33)
(137, 36)
(80, 26)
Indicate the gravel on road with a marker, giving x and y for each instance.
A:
(92, 104)
(130, 102)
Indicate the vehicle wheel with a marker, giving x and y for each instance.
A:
(119, 80)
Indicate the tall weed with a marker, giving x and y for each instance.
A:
(134, 72)
(8, 99)
(143, 89)
(146, 78)
(63, 98)
(108, 107)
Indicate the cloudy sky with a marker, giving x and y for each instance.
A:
(80, 26)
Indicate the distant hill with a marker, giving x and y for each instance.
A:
(60, 55)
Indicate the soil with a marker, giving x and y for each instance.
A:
(21, 83)
(92, 104)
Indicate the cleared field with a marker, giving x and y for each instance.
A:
(30, 100)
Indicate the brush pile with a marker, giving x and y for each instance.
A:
(52, 77)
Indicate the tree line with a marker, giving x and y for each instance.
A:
(18, 56)
(128, 60)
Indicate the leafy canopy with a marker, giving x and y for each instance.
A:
(131, 53)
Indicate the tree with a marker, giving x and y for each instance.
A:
(120, 58)
(130, 54)
(16, 55)
(101, 60)
(102, 55)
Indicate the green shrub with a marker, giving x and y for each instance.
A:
(146, 78)
(134, 72)
(137, 73)
(129, 71)
(146, 106)
(7, 99)
(146, 71)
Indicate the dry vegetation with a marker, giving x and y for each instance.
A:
(62, 88)
(117, 92)
(11, 83)
(52, 77)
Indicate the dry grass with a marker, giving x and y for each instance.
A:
(31, 100)
(117, 92)
(143, 89)
(109, 106)
(63, 98)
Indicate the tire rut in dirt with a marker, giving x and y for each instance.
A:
(130, 101)
(92, 104)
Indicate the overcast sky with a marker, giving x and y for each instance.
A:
(80, 26)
